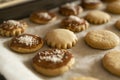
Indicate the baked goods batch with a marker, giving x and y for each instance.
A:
(57, 59)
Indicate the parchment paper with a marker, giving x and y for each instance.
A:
(15, 66)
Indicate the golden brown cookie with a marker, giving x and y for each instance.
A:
(42, 17)
(111, 62)
(102, 39)
(117, 24)
(97, 17)
(26, 43)
(84, 78)
(70, 9)
(53, 62)
(61, 38)
(74, 23)
(114, 7)
(91, 4)
(12, 28)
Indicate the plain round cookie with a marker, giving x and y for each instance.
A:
(26, 43)
(117, 24)
(114, 7)
(111, 62)
(97, 17)
(84, 78)
(61, 38)
(102, 39)
(53, 62)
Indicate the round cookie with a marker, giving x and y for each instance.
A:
(53, 62)
(117, 24)
(114, 7)
(42, 17)
(26, 43)
(12, 28)
(111, 62)
(70, 9)
(84, 78)
(74, 23)
(102, 39)
(97, 17)
(61, 38)
(91, 4)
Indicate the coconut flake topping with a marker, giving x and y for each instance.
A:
(53, 56)
(12, 22)
(28, 40)
(45, 15)
(70, 6)
(75, 18)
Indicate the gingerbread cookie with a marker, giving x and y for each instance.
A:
(102, 39)
(12, 28)
(70, 9)
(26, 43)
(53, 62)
(42, 17)
(111, 62)
(61, 38)
(74, 23)
(97, 17)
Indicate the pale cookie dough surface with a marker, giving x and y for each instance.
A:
(114, 7)
(111, 62)
(102, 39)
(97, 17)
(61, 38)
(84, 78)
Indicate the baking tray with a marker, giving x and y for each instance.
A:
(16, 66)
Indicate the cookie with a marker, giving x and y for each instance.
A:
(70, 9)
(53, 62)
(114, 7)
(42, 17)
(12, 28)
(26, 43)
(84, 78)
(97, 17)
(117, 24)
(91, 4)
(61, 38)
(102, 39)
(111, 62)
(74, 23)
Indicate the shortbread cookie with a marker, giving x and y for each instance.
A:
(74, 24)
(114, 7)
(97, 17)
(70, 9)
(42, 17)
(84, 78)
(91, 4)
(12, 28)
(61, 38)
(26, 43)
(111, 62)
(117, 24)
(53, 62)
(102, 39)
